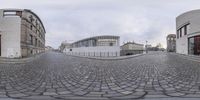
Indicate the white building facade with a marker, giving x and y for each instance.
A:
(21, 33)
(188, 33)
(98, 46)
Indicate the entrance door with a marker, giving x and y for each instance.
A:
(197, 45)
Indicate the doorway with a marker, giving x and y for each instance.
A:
(197, 45)
(0, 45)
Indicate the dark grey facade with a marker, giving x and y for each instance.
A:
(171, 43)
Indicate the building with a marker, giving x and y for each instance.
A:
(22, 33)
(171, 43)
(131, 48)
(148, 47)
(65, 46)
(188, 33)
(48, 48)
(157, 47)
(98, 46)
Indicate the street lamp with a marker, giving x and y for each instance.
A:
(146, 47)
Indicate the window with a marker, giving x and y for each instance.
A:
(111, 44)
(177, 34)
(188, 28)
(31, 39)
(10, 13)
(31, 27)
(36, 23)
(94, 43)
(36, 42)
(40, 44)
(185, 30)
(86, 43)
(31, 18)
(180, 32)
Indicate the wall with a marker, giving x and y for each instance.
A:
(10, 36)
(98, 51)
(191, 17)
(182, 45)
(29, 49)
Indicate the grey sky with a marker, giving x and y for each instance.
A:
(132, 20)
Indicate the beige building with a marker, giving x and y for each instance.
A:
(171, 42)
(131, 48)
(21, 33)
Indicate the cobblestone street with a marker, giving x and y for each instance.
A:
(58, 76)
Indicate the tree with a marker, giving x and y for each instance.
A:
(159, 45)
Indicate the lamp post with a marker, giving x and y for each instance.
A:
(146, 47)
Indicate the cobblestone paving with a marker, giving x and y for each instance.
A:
(57, 76)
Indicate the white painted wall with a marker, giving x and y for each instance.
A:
(191, 17)
(10, 36)
(98, 51)
(182, 45)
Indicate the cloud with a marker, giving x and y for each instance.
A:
(132, 20)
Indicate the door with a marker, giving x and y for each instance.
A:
(197, 45)
(0, 45)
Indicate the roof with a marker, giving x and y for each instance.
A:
(133, 43)
(171, 35)
(96, 37)
(36, 16)
(187, 12)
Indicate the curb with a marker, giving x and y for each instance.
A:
(109, 58)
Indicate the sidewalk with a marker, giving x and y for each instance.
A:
(19, 60)
(189, 57)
